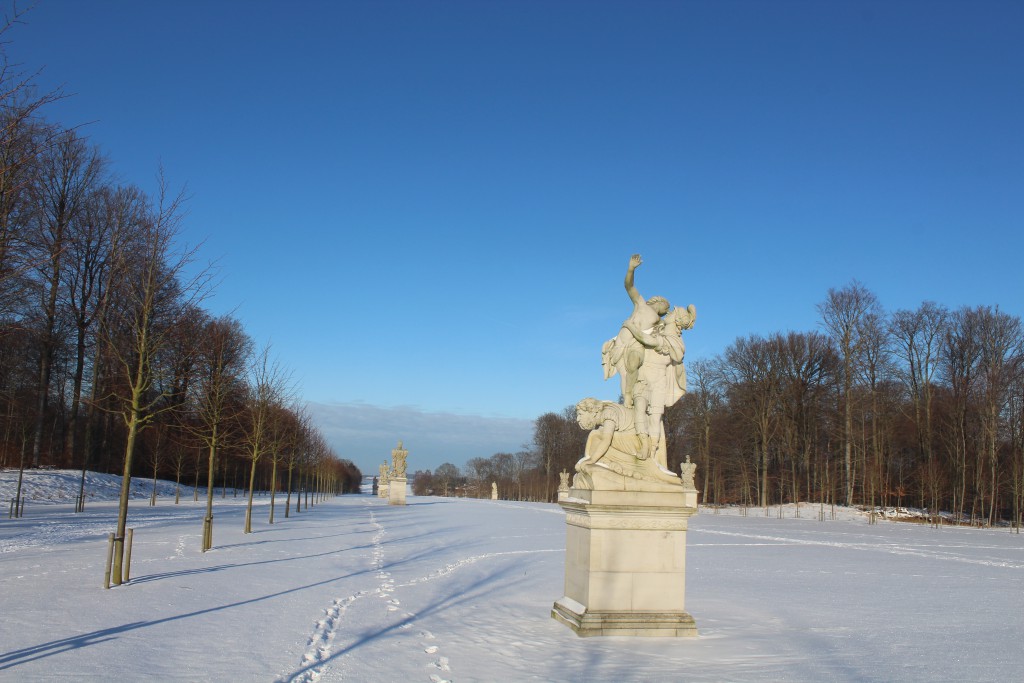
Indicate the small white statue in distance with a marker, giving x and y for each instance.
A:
(398, 456)
(494, 490)
(687, 470)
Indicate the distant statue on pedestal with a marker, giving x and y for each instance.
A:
(383, 480)
(397, 480)
(563, 485)
(398, 456)
(688, 469)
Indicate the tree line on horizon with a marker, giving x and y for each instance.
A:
(910, 408)
(108, 360)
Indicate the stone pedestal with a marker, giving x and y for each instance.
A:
(625, 562)
(396, 491)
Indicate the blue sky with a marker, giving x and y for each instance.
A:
(428, 207)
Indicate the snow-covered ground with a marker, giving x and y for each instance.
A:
(461, 590)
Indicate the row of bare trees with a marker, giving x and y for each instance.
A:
(915, 407)
(530, 474)
(108, 361)
(518, 476)
(921, 408)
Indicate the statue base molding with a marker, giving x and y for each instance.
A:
(396, 491)
(625, 563)
(649, 624)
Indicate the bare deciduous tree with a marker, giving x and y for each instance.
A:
(286, 435)
(267, 390)
(69, 170)
(218, 397)
(917, 337)
(154, 290)
(999, 366)
(842, 314)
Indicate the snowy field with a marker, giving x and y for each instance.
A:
(461, 590)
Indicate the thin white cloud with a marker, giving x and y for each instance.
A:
(365, 434)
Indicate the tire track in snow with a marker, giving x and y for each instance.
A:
(51, 533)
(527, 508)
(891, 549)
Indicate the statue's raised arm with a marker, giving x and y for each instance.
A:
(634, 295)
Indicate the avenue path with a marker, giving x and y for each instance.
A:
(461, 590)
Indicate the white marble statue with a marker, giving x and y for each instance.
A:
(605, 421)
(614, 447)
(623, 354)
(627, 514)
(494, 490)
(648, 355)
(661, 378)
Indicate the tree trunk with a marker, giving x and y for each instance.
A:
(273, 487)
(211, 471)
(80, 503)
(126, 482)
(288, 500)
(21, 477)
(248, 507)
(152, 498)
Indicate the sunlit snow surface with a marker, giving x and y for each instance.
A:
(461, 590)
